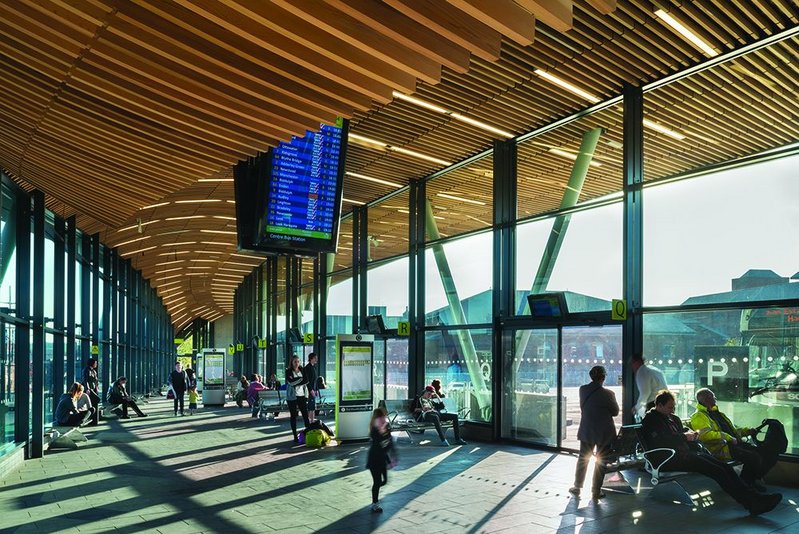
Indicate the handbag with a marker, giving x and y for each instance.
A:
(170, 394)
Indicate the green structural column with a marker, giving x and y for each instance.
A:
(571, 195)
(456, 309)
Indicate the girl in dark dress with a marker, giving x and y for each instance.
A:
(379, 459)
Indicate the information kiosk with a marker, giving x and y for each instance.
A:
(213, 366)
(354, 380)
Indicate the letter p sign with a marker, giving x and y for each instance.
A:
(717, 369)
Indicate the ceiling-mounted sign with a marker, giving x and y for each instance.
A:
(231, 350)
(307, 338)
(95, 350)
(179, 341)
(261, 343)
(239, 347)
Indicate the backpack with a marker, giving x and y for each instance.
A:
(316, 438)
(775, 441)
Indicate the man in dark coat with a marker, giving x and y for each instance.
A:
(598, 407)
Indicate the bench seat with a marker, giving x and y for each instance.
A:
(401, 418)
(64, 437)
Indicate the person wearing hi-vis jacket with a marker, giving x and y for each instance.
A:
(724, 440)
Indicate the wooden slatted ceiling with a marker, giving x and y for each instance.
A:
(134, 101)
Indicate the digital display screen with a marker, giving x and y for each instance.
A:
(303, 192)
(547, 305)
(356, 373)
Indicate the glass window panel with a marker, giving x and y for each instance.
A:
(462, 200)
(8, 394)
(388, 227)
(388, 291)
(724, 237)
(462, 361)
(461, 269)
(545, 163)
(748, 357)
(396, 369)
(587, 264)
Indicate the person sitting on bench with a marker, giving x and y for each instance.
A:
(119, 395)
(723, 440)
(67, 413)
(428, 413)
(662, 429)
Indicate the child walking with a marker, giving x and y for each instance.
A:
(192, 399)
(379, 459)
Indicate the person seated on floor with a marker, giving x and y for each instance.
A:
(428, 413)
(662, 429)
(119, 395)
(67, 413)
(252, 393)
(724, 440)
(241, 391)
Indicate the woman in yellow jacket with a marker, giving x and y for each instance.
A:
(723, 439)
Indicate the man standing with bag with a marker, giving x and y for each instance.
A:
(178, 381)
(598, 407)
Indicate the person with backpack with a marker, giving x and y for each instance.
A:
(379, 459)
(178, 381)
(724, 440)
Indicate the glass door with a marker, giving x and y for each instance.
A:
(530, 389)
(543, 371)
(582, 348)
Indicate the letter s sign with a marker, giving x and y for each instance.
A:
(717, 369)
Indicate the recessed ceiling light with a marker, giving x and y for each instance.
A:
(370, 179)
(218, 232)
(154, 205)
(198, 201)
(132, 252)
(662, 129)
(566, 85)
(452, 114)
(386, 146)
(179, 244)
(138, 225)
(685, 32)
(133, 240)
(356, 202)
(215, 180)
(572, 156)
(467, 200)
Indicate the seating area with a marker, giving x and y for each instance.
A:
(401, 418)
(209, 483)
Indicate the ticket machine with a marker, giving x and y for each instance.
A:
(213, 366)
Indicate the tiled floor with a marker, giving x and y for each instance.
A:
(221, 471)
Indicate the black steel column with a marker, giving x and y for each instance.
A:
(106, 343)
(71, 298)
(416, 285)
(38, 349)
(633, 241)
(504, 263)
(58, 310)
(85, 300)
(363, 266)
(22, 342)
(356, 255)
(95, 259)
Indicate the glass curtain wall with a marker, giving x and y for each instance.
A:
(720, 248)
(60, 301)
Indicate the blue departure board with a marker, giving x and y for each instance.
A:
(303, 190)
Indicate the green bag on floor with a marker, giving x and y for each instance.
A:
(316, 438)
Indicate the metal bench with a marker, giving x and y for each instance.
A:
(625, 454)
(270, 403)
(64, 437)
(401, 418)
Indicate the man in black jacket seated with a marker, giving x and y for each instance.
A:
(662, 429)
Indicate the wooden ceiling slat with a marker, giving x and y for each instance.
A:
(385, 20)
(207, 30)
(343, 27)
(480, 40)
(508, 18)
